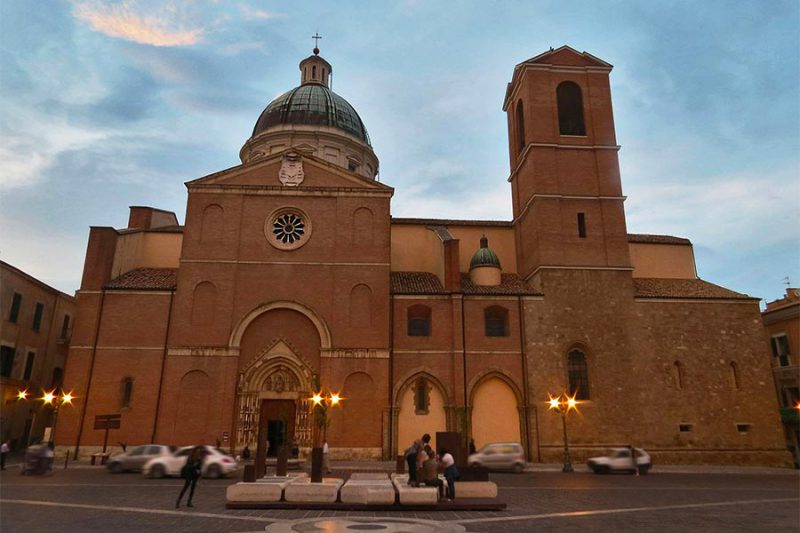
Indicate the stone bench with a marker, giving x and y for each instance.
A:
(476, 489)
(368, 491)
(409, 495)
(371, 476)
(260, 491)
(302, 490)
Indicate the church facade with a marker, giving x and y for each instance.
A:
(290, 270)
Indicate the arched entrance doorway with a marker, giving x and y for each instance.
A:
(279, 351)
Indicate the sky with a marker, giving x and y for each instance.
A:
(104, 105)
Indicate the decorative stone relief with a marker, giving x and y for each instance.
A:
(291, 172)
(355, 353)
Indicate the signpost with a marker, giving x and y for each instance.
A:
(107, 422)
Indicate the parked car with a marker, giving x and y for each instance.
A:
(619, 460)
(499, 456)
(133, 459)
(216, 463)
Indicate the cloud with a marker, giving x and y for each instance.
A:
(29, 150)
(252, 12)
(122, 20)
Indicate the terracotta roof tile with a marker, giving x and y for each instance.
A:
(684, 288)
(152, 279)
(656, 239)
(416, 283)
(509, 284)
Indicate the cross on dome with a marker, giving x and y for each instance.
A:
(316, 38)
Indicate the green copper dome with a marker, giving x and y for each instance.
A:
(484, 257)
(312, 104)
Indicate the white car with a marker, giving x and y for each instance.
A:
(215, 463)
(135, 457)
(619, 460)
(499, 456)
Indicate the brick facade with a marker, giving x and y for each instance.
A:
(237, 319)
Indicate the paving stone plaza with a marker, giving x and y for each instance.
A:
(668, 499)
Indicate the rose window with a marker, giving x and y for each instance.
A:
(288, 228)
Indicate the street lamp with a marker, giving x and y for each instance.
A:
(564, 403)
(321, 402)
(56, 400)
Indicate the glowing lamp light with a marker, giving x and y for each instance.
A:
(335, 398)
(797, 405)
(48, 397)
(22, 394)
(67, 398)
(554, 402)
(317, 398)
(572, 403)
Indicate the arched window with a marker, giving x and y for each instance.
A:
(570, 109)
(677, 374)
(496, 321)
(314, 71)
(421, 402)
(520, 127)
(735, 375)
(578, 374)
(419, 321)
(126, 393)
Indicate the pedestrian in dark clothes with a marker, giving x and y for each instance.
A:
(190, 474)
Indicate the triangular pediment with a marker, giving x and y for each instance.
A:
(311, 172)
(568, 57)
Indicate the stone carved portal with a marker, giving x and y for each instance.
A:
(276, 374)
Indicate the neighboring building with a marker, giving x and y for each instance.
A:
(782, 322)
(289, 266)
(36, 326)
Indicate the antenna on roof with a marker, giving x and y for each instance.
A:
(787, 281)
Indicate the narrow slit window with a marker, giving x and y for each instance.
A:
(743, 428)
(685, 428)
(520, 128)
(582, 225)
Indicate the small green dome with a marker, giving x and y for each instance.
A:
(484, 257)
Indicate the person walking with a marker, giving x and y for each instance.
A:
(326, 463)
(246, 454)
(448, 464)
(632, 450)
(190, 474)
(4, 449)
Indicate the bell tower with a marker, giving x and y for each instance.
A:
(565, 179)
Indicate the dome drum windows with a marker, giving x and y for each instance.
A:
(287, 228)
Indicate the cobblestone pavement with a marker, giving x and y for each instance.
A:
(90, 499)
